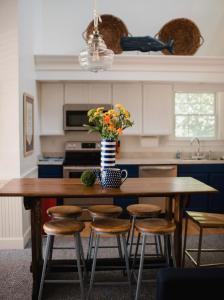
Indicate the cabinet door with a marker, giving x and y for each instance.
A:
(216, 201)
(76, 93)
(130, 95)
(51, 108)
(100, 93)
(198, 202)
(157, 109)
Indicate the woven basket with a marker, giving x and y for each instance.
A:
(186, 35)
(112, 29)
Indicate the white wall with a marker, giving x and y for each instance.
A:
(63, 22)
(16, 77)
(9, 86)
(27, 81)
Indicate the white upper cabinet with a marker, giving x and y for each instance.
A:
(130, 95)
(91, 93)
(76, 93)
(51, 108)
(157, 109)
(100, 93)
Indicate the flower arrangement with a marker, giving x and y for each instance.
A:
(110, 124)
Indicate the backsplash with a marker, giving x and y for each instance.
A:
(136, 146)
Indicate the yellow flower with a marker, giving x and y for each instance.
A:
(127, 114)
(96, 114)
(99, 109)
(119, 106)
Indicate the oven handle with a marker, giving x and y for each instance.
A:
(151, 168)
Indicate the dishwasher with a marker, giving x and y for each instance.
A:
(157, 171)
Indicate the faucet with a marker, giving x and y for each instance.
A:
(198, 148)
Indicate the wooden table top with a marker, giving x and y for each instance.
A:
(141, 187)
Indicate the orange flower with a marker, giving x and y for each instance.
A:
(106, 119)
(111, 127)
(119, 131)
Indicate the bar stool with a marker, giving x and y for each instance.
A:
(63, 212)
(103, 211)
(114, 227)
(139, 211)
(63, 228)
(153, 226)
(203, 221)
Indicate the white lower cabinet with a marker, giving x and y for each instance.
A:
(157, 109)
(51, 108)
(130, 95)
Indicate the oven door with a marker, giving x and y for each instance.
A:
(84, 203)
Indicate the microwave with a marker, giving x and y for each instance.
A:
(75, 115)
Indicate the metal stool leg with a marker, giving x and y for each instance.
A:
(46, 257)
(51, 248)
(167, 249)
(199, 247)
(119, 248)
(156, 245)
(88, 257)
(82, 256)
(185, 242)
(136, 252)
(126, 261)
(93, 267)
(132, 236)
(130, 219)
(78, 250)
(140, 268)
(173, 251)
(160, 245)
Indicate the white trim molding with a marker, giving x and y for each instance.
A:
(200, 69)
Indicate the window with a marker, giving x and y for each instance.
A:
(195, 115)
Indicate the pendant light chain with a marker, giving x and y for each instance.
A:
(96, 57)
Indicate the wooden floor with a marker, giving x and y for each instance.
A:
(192, 229)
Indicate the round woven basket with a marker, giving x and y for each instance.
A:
(112, 29)
(186, 35)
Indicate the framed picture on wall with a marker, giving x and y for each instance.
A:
(28, 124)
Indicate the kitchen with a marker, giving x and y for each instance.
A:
(147, 85)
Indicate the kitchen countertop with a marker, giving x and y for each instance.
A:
(165, 161)
(56, 161)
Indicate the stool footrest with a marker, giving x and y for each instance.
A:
(61, 281)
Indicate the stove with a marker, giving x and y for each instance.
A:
(81, 156)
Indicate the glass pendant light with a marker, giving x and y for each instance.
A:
(96, 56)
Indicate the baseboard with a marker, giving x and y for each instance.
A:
(15, 242)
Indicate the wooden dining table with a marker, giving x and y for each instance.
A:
(176, 190)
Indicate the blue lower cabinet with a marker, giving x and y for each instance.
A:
(50, 171)
(216, 202)
(211, 174)
(133, 172)
(198, 202)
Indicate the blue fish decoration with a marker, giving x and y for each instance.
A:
(145, 44)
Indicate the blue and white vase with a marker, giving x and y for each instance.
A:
(108, 153)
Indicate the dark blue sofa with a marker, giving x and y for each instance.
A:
(190, 284)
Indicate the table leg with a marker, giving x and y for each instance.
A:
(33, 204)
(178, 218)
(169, 208)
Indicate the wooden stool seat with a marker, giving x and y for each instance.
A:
(156, 226)
(102, 211)
(64, 211)
(110, 225)
(206, 220)
(143, 210)
(63, 227)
